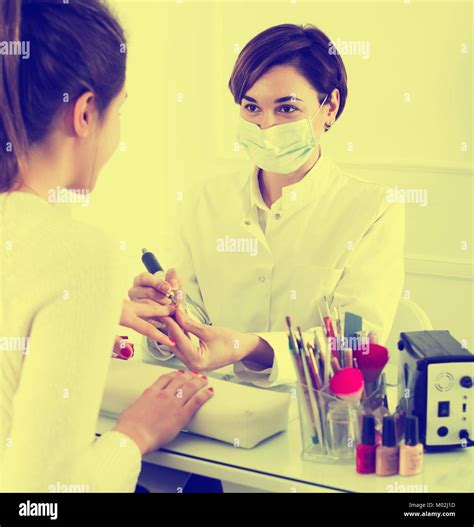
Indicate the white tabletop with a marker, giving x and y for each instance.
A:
(276, 465)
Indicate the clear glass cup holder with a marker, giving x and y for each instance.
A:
(331, 427)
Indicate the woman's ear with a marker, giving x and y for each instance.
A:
(333, 105)
(84, 111)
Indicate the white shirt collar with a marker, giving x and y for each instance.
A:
(295, 195)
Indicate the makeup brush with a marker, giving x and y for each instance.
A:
(324, 350)
(337, 311)
(314, 368)
(335, 364)
(309, 406)
(383, 387)
(347, 357)
(290, 331)
(371, 360)
(307, 355)
(319, 355)
(311, 383)
(347, 384)
(328, 321)
(329, 327)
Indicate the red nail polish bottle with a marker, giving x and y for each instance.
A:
(365, 451)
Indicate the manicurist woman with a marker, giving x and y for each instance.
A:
(60, 285)
(318, 230)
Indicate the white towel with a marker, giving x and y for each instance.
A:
(236, 414)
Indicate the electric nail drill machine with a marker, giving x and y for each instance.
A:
(435, 383)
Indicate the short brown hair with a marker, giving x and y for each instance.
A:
(306, 48)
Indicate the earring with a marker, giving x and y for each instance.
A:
(328, 126)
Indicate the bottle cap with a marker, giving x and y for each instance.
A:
(368, 430)
(388, 431)
(411, 430)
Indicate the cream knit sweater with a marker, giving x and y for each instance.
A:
(59, 308)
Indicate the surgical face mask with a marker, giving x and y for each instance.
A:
(283, 148)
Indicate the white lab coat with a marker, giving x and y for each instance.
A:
(329, 234)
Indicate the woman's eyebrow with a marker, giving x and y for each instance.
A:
(281, 99)
(288, 98)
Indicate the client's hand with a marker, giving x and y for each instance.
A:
(164, 409)
(143, 317)
(217, 346)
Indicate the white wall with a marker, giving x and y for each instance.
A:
(408, 123)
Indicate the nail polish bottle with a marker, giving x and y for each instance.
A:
(365, 451)
(387, 455)
(411, 451)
